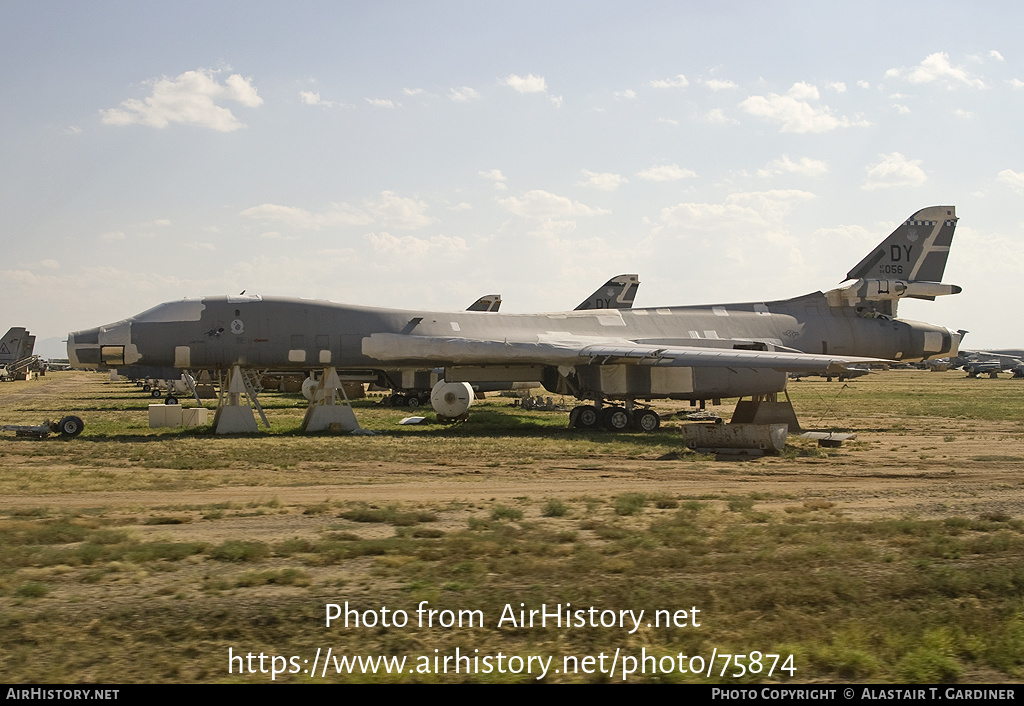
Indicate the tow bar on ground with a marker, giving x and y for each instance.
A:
(68, 426)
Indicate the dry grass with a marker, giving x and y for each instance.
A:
(866, 563)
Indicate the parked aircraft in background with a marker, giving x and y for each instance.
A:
(16, 357)
(991, 363)
(614, 359)
(488, 302)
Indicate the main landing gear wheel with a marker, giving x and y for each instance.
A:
(646, 420)
(171, 399)
(583, 417)
(155, 393)
(614, 418)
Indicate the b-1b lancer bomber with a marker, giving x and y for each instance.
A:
(613, 359)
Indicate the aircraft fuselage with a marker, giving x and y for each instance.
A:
(297, 334)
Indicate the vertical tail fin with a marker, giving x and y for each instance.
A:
(617, 293)
(909, 263)
(488, 302)
(914, 252)
(15, 345)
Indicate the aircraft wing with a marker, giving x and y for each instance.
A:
(440, 351)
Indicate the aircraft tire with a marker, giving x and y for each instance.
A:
(155, 393)
(646, 420)
(584, 416)
(614, 418)
(145, 388)
(412, 402)
(171, 399)
(70, 426)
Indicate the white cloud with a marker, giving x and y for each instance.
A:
(628, 94)
(495, 176)
(1016, 83)
(805, 166)
(863, 84)
(961, 113)
(666, 172)
(719, 84)
(678, 81)
(901, 109)
(387, 209)
(399, 212)
(190, 99)
(531, 84)
(717, 116)
(543, 204)
(605, 181)
(381, 102)
(410, 246)
(338, 216)
(72, 130)
(996, 55)
(1014, 180)
(463, 94)
(311, 98)
(749, 209)
(837, 86)
(894, 170)
(526, 84)
(413, 91)
(112, 235)
(795, 111)
(936, 68)
(50, 264)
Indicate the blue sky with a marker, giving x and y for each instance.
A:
(421, 154)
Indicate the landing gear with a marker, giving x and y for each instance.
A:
(613, 418)
(584, 417)
(646, 420)
(70, 426)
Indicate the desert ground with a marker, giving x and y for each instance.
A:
(130, 554)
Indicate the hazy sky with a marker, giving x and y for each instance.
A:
(421, 154)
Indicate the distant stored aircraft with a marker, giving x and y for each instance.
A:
(16, 356)
(611, 358)
(991, 363)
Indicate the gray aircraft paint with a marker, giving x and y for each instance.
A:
(683, 352)
(17, 344)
